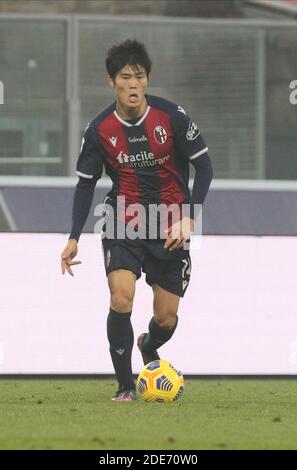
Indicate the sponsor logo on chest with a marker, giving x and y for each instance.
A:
(139, 157)
(159, 133)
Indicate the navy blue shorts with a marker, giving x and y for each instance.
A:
(171, 270)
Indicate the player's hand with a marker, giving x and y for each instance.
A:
(179, 233)
(68, 254)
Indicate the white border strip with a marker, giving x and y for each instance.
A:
(143, 117)
(84, 175)
(105, 182)
(7, 214)
(23, 160)
(222, 22)
(38, 181)
(253, 185)
(128, 124)
(125, 123)
(199, 153)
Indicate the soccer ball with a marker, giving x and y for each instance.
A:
(160, 382)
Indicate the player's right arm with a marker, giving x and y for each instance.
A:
(89, 170)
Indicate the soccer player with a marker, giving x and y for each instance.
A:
(145, 144)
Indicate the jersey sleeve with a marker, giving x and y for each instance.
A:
(188, 136)
(90, 160)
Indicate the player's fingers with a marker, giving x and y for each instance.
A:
(66, 253)
(167, 236)
(176, 244)
(173, 247)
(168, 242)
(168, 232)
(72, 263)
(176, 232)
(63, 266)
(69, 270)
(171, 242)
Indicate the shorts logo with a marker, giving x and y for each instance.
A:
(160, 135)
(186, 272)
(107, 259)
(193, 131)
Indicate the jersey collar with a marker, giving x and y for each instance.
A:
(125, 123)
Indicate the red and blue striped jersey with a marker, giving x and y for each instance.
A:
(148, 158)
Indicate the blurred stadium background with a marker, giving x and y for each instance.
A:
(230, 64)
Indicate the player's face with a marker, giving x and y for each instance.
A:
(130, 86)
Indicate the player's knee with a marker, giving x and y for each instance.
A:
(166, 320)
(122, 301)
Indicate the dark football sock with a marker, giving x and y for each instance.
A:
(120, 336)
(157, 336)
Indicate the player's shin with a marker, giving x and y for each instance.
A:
(157, 336)
(121, 338)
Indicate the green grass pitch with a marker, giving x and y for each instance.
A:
(211, 414)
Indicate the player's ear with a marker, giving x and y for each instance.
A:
(110, 81)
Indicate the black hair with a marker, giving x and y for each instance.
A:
(130, 52)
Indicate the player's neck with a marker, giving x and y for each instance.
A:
(130, 113)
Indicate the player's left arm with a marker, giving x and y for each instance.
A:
(181, 231)
(193, 147)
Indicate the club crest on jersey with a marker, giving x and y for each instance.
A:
(193, 131)
(160, 135)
